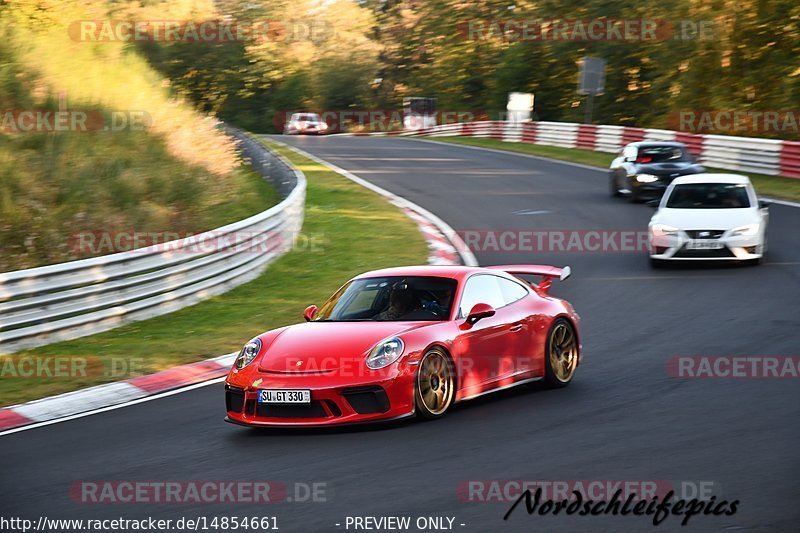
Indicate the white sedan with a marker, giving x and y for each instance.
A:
(709, 217)
(305, 124)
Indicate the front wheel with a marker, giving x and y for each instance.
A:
(635, 196)
(435, 385)
(561, 359)
(613, 186)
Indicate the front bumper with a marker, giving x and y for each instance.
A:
(335, 399)
(731, 248)
(649, 191)
(304, 131)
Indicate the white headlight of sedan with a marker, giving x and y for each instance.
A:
(664, 230)
(747, 230)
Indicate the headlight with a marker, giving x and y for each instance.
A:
(385, 353)
(747, 230)
(662, 230)
(646, 178)
(323, 126)
(248, 353)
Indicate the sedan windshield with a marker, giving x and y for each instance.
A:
(394, 298)
(709, 196)
(660, 154)
(306, 118)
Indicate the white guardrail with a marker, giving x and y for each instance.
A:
(46, 304)
(745, 154)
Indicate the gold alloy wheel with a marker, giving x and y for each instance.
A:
(563, 352)
(435, 383)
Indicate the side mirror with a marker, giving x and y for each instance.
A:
(478, 312)
(763, 204)
(310, 313)
(653, 203)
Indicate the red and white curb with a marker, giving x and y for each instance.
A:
(445, 248)
(73, 404)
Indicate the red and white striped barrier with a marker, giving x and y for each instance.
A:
(790, 159)
(745, 154)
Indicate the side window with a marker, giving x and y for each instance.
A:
(483, 288)
(511, 291)
(629, 153)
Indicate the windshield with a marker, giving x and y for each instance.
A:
(395, 298)
(306, 117)
(709, 196)
(660, 154)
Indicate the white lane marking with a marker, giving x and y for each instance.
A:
(530, 212)
(636, 278)
(787, 203)
(351, 158)
(449, 172)
(783, 202)
(463, 250)
(114, 407)
(499, 151)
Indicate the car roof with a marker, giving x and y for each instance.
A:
(709, 177)
(454, 272)
(652, 144)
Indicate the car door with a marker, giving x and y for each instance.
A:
(487, 349)
(523, 333)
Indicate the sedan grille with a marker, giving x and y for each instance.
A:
(705, 233)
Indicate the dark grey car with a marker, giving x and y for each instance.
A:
(644, 169)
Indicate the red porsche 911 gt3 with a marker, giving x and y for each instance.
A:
(407, 341)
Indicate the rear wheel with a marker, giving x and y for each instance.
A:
(435, 386)
(561, 359)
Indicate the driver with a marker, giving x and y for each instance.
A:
(401, 302)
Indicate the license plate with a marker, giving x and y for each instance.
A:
(704, 245)
(284, 396)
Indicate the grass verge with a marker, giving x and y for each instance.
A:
(344, 234)
(771, 186)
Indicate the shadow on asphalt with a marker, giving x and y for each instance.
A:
(533, 389)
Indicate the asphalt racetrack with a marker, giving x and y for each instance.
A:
(624, 417)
